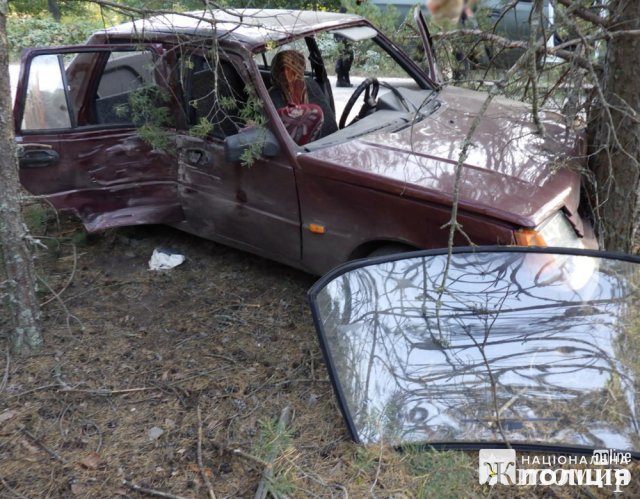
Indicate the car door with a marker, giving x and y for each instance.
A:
(254, 208)
(79, 116)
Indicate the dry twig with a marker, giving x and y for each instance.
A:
(69, 280)
(151, 492)
(11, 489)
(212, 494)
(52, 453)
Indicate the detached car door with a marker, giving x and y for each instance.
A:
(530, 348)
(79, 113)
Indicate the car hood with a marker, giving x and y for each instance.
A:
(534, 348)
(511, 172)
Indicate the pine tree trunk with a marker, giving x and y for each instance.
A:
(20, 284)
(616, 133)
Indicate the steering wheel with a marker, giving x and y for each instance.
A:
(370, 87)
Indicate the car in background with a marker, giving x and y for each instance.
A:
(510, 20)
(501, 17)
(155, 121)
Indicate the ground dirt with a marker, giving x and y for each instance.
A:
(134, 357)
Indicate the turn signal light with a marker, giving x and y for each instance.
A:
(529, 237)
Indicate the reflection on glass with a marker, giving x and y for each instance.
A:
(530, 348)
(45, 106)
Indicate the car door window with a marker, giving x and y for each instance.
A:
(215, 95)
(62, 91)
(45, 104)
(263, 60)
(126, 75)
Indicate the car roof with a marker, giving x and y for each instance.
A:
(246, 26)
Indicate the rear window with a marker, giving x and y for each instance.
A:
(62, 93)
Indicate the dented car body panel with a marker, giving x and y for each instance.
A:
(385, 179)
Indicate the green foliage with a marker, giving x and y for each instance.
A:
(203, 128)
(386, 21)
(365, 460)
(331, 5)
(274, 439)
(445, 474)
(282, 484)
(37, 217)
(40, 8)
(273, 443)
(23, 32)
(149, 111)
(253, 115)
(178, 5)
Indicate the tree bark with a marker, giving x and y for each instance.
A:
(615, 134)
(20, 284)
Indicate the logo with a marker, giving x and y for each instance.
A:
(497, 466)
(602, 469)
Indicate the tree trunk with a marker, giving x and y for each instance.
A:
(616, 133)
(54, 9)
(20, 284)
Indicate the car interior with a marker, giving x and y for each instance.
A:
(216, 94)
(396, 104)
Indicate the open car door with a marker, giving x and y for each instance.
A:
(427, 42)
(77, 114)
(527, 348)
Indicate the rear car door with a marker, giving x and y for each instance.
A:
(79, 116)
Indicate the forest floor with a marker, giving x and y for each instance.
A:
(178, 382)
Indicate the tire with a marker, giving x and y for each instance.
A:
(391, 249)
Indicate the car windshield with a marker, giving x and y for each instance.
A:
(358, 63)
(520, 347)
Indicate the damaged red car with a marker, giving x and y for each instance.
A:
(154, 121)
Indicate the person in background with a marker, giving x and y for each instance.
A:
(344, 59)
(452, 14)
(450, 11)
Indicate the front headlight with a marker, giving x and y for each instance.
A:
(556, 231)
(576, 271)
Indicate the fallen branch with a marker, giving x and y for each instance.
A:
(104, 392)
(267, 473)
(11, 489)
(57, 297)
(151, 492)
(240, 453)
(560, 51)
(69, 280)
(250, 457)
(52, 453)
(585, 13)
(212, 494)
(98, 432)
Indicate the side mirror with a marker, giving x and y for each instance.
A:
(236, 145)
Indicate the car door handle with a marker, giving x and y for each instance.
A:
(197, 157)
(37, 158)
